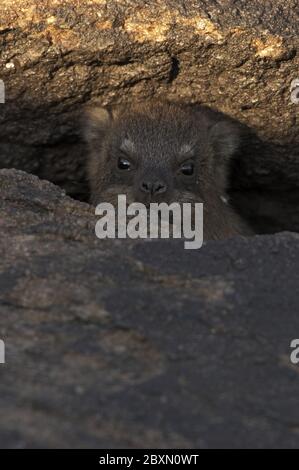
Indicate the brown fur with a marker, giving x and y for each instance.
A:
(157, 137)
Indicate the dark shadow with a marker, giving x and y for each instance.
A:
(264, 180)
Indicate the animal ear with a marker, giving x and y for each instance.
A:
(225, 140)
(96, 120)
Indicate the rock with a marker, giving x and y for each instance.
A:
(121, 343)
(236, 56)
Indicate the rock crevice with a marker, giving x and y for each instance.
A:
(239, 58)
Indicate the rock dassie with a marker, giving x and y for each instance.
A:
(164, 152)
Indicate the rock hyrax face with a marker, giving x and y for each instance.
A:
(158, 152)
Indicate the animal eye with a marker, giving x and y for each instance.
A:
(187, 168)
(123, 164)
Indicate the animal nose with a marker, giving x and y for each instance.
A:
(156, 187)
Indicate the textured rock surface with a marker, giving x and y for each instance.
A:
(238, 56)
(125, 344)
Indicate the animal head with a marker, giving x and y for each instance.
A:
(158, 151)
